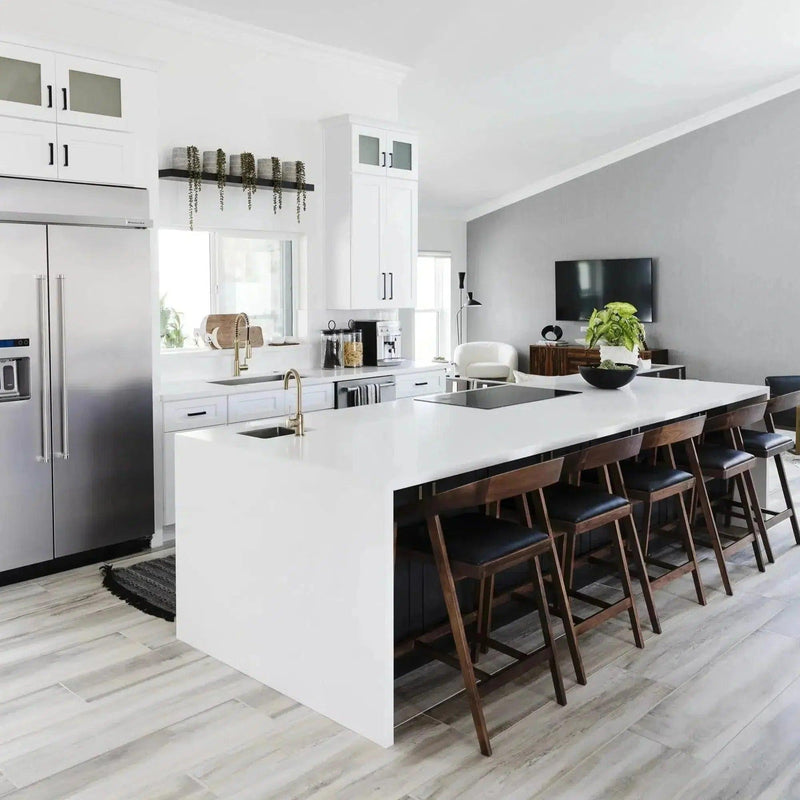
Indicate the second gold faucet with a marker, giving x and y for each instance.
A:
(295, 422)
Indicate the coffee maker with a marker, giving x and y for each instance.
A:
(382, 341)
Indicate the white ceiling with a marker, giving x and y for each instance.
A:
(507, 93)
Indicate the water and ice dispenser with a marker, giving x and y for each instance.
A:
(15, 383)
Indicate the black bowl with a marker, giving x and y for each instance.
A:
(608, 378)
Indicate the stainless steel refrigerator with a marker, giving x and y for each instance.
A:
(76, 433)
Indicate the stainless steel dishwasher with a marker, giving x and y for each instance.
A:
(354, 392)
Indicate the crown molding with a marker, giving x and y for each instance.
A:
(182, 18)
(638, 146)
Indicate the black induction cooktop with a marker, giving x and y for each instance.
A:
(495, 396)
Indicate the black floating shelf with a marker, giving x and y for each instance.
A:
(211, 177)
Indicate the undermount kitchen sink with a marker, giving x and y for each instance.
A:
(268, 433)
(277, 376)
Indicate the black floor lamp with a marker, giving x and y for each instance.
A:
(471, 302)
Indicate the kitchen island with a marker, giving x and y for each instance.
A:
(285, 562)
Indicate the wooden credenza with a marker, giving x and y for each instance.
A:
(565, 360)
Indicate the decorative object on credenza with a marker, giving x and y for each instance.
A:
(195, 184)
(221, 164)
(249, 177)
(470, 302)
(608, 375)
(552, 333)
(617, 330)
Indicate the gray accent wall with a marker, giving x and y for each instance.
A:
(719, 210)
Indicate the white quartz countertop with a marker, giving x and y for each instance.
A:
(191, 389)
(408, 442)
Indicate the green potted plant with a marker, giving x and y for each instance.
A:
(618, 331)
(172, 335)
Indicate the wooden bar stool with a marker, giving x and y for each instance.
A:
(651, 481)
(710, 461)
(771, 444)
(577, 509)
(477, 545)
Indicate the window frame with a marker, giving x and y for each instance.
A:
(290, 289)
(442, 295)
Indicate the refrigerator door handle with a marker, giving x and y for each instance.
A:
(41, 285)
(63, 336)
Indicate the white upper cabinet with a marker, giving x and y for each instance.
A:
(377, 151)
(69, 118)
(371, 201)
(27, 83)
(93, 94)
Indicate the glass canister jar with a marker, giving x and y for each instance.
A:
(353, 347)
(331, 346)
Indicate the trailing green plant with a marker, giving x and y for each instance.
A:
(277, 184)
(171, 326)
(222, 164)
(249, 177)
(616, 325)
(300, 168)
(195, 180)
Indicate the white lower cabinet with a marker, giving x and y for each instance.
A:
(256, 405)
(420, 383)
(315, 398)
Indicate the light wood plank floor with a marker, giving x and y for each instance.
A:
(98, 700)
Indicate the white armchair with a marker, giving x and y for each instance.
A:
(489, 360)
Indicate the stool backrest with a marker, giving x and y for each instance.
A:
(492, 490)
(600, 455)
(782, 385)
(673, 433)
(738, 418)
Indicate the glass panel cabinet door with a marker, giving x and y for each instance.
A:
(27, 83)
(369, 150)
(93, 94)
(403, 156)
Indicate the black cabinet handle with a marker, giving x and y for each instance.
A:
(64, 95)
(66, 155)
(49, 95)
(52, 154)
(384, 285)
(197, 413)
(383, 153)
(391, 285)
(391, 160)
(421, 383)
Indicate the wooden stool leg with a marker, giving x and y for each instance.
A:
(459, 635)
(691, 554)
(713, 532)
(475, 649)
(568, 567)
(758, 514)
(729, 502)
(641, 568)
(563, 606)
(616, 539)
(547, 631)
(648, 514)
(787, 496)
(751, 526)
(486, 625)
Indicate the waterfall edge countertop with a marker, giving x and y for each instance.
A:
(285, 547)
(195, 388)
(408, 442)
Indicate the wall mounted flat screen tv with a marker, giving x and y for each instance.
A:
(591, 283)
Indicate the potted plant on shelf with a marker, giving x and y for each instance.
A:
(618, 331)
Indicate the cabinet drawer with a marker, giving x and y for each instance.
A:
(420, 383)
(256, 405)
(183, 415)
(315, 398)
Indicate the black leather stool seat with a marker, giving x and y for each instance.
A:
(765, 445)
(713, 456)
(472, 538)
(643, 477)
(579, 503)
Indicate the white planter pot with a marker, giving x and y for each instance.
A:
(619, 355)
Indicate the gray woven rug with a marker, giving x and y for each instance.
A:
(148, 585)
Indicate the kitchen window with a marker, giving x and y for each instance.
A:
(203, 272)
(432, 308)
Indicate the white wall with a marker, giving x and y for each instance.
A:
(224, 85)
